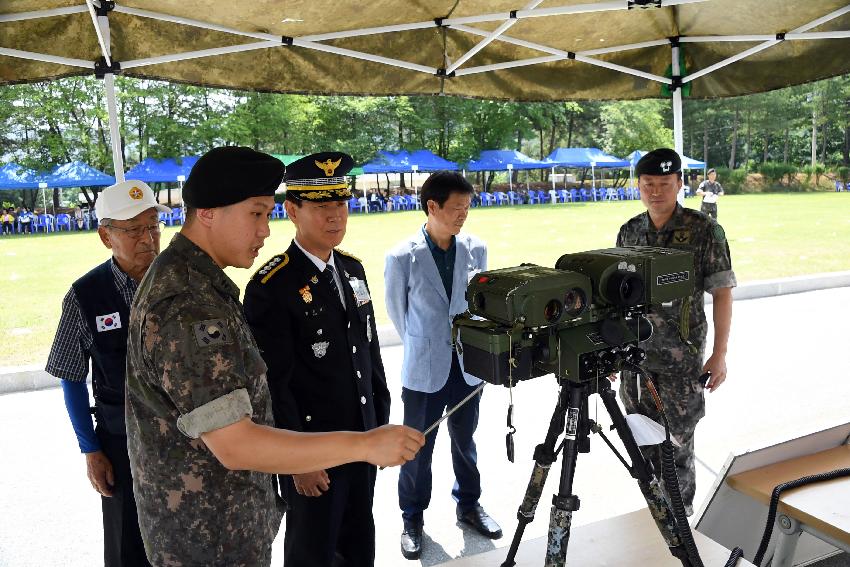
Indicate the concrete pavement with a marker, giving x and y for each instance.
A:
(787, 377)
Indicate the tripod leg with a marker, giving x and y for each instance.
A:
(565, 502)
(642, 471)
(544, 456)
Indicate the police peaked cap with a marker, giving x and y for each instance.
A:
(319, 177)
(230, 174)
(662, 161)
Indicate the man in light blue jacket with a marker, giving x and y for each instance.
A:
(426, 278)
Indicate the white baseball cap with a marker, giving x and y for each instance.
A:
(125, 200)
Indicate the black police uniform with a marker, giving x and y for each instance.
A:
(325, 374)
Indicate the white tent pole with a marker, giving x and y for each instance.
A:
(101, 40)
(552, 178)
(505, 26)
(46, 58)
(101, 24)
(364, 56)
(678, 143)
(186, 55)
(20, 16)
(191, 22)
(765, 37)
(114, 133)
(369, 31)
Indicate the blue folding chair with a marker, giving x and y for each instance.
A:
(513, 198)
(535, 197)
(44, 223)
(354, 205)
(279, 212)
(501, 198)
(839, 186)
(166, 218)
(63, 220)
(178, 215)
(585, 194)
(487, 199)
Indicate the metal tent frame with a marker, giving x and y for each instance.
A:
(106, 66)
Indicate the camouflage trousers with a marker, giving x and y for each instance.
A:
(684, 404)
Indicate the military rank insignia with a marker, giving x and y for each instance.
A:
(212, 332)
(719, 233)
(314, 280)
(682, 236)
(305, 294)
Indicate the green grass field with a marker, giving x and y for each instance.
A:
(771, 236)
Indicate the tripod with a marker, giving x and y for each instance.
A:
(571, 417)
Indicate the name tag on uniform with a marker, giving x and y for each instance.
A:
(108, 322)
(361, 292)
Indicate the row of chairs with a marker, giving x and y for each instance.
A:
(535, 197)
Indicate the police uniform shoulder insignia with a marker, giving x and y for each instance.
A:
(212, 332)
(272, 266)
(719, 233)
(348, 255)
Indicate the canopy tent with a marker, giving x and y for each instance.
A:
(14, 176)
(638, 49)
(405, 162)
(505, 160)
(583, 157)
(502, 160)
(152, 170)
(77, 174)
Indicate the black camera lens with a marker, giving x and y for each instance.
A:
(575, 302)
(624, 288)
(552, 311)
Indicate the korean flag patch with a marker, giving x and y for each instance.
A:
(213, 332)
(108, 322)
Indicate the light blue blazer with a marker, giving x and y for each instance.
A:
(421, 312)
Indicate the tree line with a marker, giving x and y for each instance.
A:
(45, 124)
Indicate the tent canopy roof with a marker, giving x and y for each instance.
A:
(14, 176)
(584, 157)
(404, 161)
(77, 174)
(498, 160)
(561, 49)
(152, 170)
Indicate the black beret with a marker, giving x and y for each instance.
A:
(662, 161)
(319, 177)
(230, 174)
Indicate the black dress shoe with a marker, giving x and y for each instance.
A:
(411, 541)
(478, 519)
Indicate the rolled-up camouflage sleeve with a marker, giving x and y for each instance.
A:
(198, 355)
(717, 260)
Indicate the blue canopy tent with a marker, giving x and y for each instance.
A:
(594, 158)
(504, 160)
(77, 174)
(152, 170)
(14, 176)
(404, 161)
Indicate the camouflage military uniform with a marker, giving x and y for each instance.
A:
(676, 365)
(193, 367)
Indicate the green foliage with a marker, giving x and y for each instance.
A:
(843, 174)
(733, 180)
(635, 125)
(778, 173)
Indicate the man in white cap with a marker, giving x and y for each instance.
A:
(93, 327)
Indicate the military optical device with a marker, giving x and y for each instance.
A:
(579, 320)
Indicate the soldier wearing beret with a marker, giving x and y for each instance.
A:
(313, 318)
(676, 351)
(199, 416)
